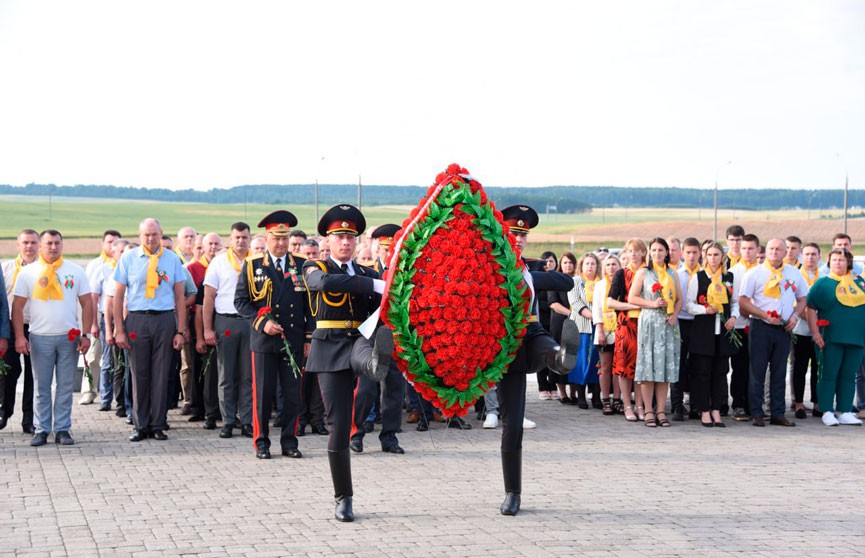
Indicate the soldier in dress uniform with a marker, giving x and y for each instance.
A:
(536, 351)
(394, 383)
(273, 279)
(343, 294)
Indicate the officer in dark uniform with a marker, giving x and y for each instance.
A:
(343, 294)
(536, 351)
(273, 279)
(394, 383)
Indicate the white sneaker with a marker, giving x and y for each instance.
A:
(829, 419)
(545, 396)
(849, 418)
(87, 398)
(528, 424)
(491, 421)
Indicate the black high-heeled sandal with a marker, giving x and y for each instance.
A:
(608, 408)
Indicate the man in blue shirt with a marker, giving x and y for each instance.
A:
(149, 284)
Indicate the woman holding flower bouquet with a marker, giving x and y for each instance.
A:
(656, 290)
(713, 340)
(836, 318)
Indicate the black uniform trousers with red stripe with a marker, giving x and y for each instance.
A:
(267, 370)
(337, 392)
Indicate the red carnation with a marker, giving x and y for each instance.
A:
(747, 330)
(263, 311)
(656, 288)
(773, 314)
(132, 336)
(73, 334)
(822, 323)
(227, 333)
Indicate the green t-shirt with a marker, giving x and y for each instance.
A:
(846, 324)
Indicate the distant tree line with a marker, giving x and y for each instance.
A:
(565, 199)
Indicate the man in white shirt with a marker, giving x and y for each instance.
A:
(99, 270)
(28, 250)
(225, 329)
(54, 289)
(773, 294)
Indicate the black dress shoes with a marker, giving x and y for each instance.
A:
(120, 412)
(422, 426)
(801, 414)
(511, 505)
(138, 435)
(28, 428)
(393, 449)
(158, 435)
(457, 422)
(292, 452)
(356, 445)
(262, 453)
(226, 431)
(678, 414)
(209, 424)
(781, 421)
(277, 422)
(343, 510)
(246, 431)
(758, 421)
(368, 426)
(301, 429)
(320, 430)
(196, 418)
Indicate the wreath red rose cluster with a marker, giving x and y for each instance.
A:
(456, 299)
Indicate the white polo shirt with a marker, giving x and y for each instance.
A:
(222, 277)
(8, 273)
(54, 317)
(739, 273)
(793, 286)
(98, 274)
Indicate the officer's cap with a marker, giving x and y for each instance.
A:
(520, 218)
(385, 233)
(278, 223)
(342, 219)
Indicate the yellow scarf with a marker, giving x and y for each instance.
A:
(19, 265)
(795, 262)
(183, 259)
(590, 288)
(233, 260)
(749, 266)
(809, 279)
(848, 292)
(692, 272)
(48, 285)
(772, 288)
(716, 295)
(609, 316)
(152, 273)
(668, 287)
(108, 260)
(204, 261)
(734, 259)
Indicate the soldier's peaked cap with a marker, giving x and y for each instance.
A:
(520, 218)
(279, 222)
(342, 219)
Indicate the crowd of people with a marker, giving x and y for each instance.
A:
(674, 318)
(262, 331)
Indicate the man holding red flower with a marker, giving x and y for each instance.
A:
(271, 296)
(54, 289)
(773, 294)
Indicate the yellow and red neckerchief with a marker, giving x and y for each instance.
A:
(152, 273)
(772, 288)
(849, 292)
(668, 286)
(716, 295)
(48, 285)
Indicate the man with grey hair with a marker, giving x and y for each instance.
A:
(149, 282)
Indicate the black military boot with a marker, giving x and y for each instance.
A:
(340, 472)
(595, 390)
(512, 470)
(373, 360)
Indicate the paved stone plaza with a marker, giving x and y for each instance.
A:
(593, 486)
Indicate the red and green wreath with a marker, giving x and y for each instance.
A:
(457, 301)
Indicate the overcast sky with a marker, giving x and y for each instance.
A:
(202, 94)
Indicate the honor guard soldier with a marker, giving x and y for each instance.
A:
(272, 280)
(536, 351)
(394, 384)
(343, 294)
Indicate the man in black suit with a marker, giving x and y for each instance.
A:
(343, 295)
(273, 280)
